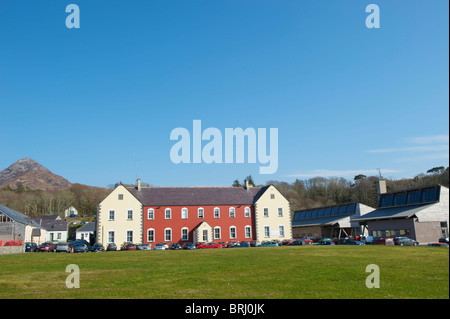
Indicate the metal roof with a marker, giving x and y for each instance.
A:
(393, 212)
(18, 217)
(324, 221)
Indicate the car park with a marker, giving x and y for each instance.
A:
(405, 241)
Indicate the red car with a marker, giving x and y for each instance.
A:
(210, 245)
(46, 247)
(385, 241)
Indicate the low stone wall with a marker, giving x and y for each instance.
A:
(6, 250)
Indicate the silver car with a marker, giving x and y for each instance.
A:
(144, 247)
(161, 246)
(63, 248)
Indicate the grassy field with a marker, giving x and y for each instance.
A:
(272, 272)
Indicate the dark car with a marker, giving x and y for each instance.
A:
(443, 240)
(189, 246)
(405, 241)
(297, 243)
(111, 247)
(175, 246)
(438, 245)
(80, 248)
(31, 247)
(97, 247)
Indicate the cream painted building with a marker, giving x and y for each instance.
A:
(272, 215)
(119, 218)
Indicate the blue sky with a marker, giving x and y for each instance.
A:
(86, 103)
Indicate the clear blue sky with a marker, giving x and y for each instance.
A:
(345, 99)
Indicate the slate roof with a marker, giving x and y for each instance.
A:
(52, 224)
(87, 227)
(201, 196)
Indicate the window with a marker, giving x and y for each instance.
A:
(151, 235)
(129, 236)
(205, 235)
(232, 232)
(111, 236)
(281, 230)
(216, 212)
(168, 234)
(266, 212)
(120, 196)
(216, 232)
(248, 232)
(266, 231)
(201, 213)
(272, 196)
(168, 213)
(130, 215)
(232, 212)
(184, 213)
(184, 234)
(151, 214)
(247, 212)
(58, 236)
(280, 211)
(111, 215)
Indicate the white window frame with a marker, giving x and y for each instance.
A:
(150, 214)
(247, 212)
(203, 235)
(165, 234)
(266, 231)
(280, 210)
(185, 238)
(113, 232)
(168, 210)
(248, 231)
(220, 233)
(126, 235)
(148, 233)
(232, 212)
(281, 230)
(202, 215)
(235, 232)
(218, 212)
(184, 213)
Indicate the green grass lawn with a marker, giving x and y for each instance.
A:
(272, 272)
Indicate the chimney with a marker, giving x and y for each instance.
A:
(247, 184)
(382, 189)
(139, 184)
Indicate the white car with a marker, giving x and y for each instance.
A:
(161, 246)
(144, 247)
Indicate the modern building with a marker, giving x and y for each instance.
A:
(15, 226)
(193, 214)
(330, 221)
(421, 214)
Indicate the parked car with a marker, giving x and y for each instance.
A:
(384, 241)
(326, 243)
(297, 243)
(175, 246)
(210, 245)
(443, 240)
(405, 241)
(242, 244)
(111, 247)
(354, 242)
(323, 240)
(160, 246)
(31, 247)
(46, 247)
(368, 240)
(268, 244)
(80, 248)
(63, 248)
(438, 245)
(97, 248)
(144, 247)
(189, 246)
(305, 240)
(232, 243)
(129, 246)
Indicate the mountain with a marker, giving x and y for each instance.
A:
(29, 173)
